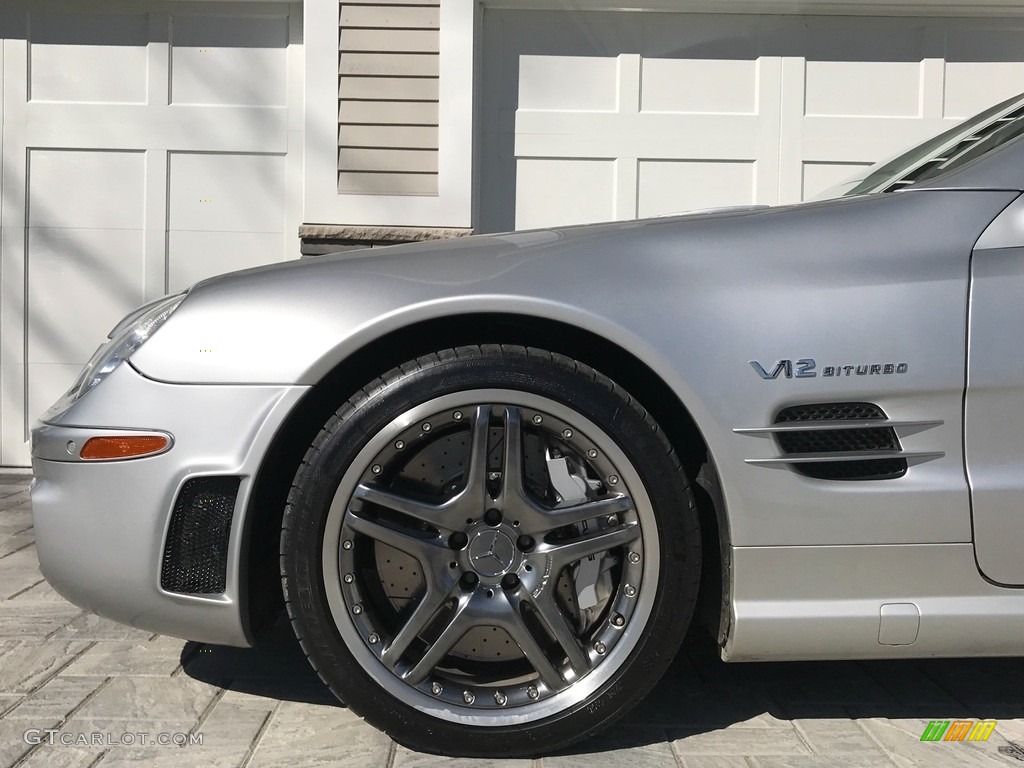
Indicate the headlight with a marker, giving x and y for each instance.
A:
(127, 336)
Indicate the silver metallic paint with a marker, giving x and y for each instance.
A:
(100, 526)
(881, 277)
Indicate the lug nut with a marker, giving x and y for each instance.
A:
(509, 581)
(469, 580)
(458, 540)
(525, 543)
(492, 517)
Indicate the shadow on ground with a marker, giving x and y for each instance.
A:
(699, 692)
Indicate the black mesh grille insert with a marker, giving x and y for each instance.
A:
(841, 441)
(196, 553)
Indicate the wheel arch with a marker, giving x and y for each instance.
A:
(261, 596)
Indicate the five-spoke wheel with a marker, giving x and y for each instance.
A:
(491, 559)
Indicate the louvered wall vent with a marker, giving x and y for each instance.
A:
(841, 441)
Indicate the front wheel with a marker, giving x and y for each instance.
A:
(490, 551)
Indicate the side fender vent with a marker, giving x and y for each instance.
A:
(830, 441)
(841, 441)
(196, 552)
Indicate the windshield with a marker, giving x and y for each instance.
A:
(950, 149)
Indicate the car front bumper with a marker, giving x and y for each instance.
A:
(101, 526)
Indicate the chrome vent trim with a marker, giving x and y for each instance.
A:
(907, 427)
(841, 441)
(912, 457)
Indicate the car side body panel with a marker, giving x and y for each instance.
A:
(993, 416)
(873, 280)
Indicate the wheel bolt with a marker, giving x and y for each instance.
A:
(349, 578)
(468, 696)
(525, 543)
(376, 469)
(399, 444)
(457, 415)
(618, 620)
(538, 419)
(346, 544)
(532, 692)
(469, 580)
(426, 426)
(566, 433)
(634, 557)
(436, 688)
(373, 639)
(613, 479)
(458, 540)
(592, 453)
(500, 698)
(492, 517)
(600, 648)
(509, 581)
(357, 609)
(630, 590)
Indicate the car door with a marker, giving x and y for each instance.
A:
(994, 407)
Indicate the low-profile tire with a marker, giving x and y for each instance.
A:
(490, 551)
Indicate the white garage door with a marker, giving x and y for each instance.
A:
(145, 147)
(609, 115)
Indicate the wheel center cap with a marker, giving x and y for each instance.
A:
(492, 553)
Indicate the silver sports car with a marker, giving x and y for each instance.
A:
(493, 481)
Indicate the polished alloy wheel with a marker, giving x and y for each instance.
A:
(490, 554)
(490, 551)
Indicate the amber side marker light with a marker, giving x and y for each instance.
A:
(123, 447)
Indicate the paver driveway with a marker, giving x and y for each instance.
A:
(67, 675)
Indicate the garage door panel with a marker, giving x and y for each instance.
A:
(973, 86)
(80, 283)
(86, 189)
(229, 61)
(215, 192)
(863, 88)
(699, 85)
(551, 192)
(80, 57)
(567, 82)
(195, 256)
(674, 186)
